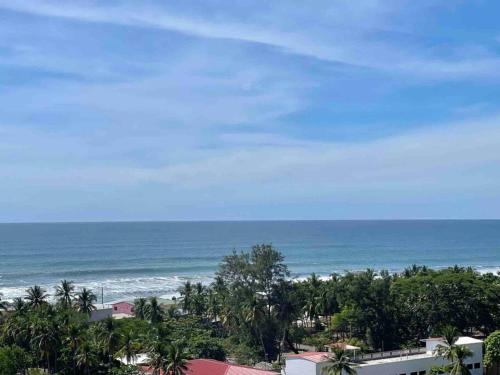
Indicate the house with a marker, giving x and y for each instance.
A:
(123, 309)
(101, 313)
(416, 361)
(213, 367)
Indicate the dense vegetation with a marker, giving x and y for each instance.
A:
(251, 312)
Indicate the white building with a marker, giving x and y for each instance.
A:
(414, 362)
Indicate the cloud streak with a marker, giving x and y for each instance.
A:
(325, 41)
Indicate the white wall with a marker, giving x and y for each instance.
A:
(300, 366)
(396, 366)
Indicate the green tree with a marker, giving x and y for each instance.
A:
(85, 300)
(3, 305)
(176, 360)
(129, 347)
(186, 292)
(36, 296)
(86, 357)
(140, 308)
(13, 360)
(65, 293)
(154, 312)
(492, 349)
(339, 363)
(45, 340)
(455, 354)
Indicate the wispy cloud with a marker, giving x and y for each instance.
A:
(181, 107)
(336, 36)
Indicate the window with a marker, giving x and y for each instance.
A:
(414, 373)
(116, 308)
(422, 372)
(477, 365)
(469, 366)
(402, 374)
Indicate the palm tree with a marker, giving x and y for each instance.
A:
(140, 308)
(458, 366)
(129, 348)
(19, 305)
(65, 293)
(86, 357)
(176, 360)
(3, 305)
(450, 336)
(157, 354)
(454, 353)
(72, 341)
(45, 340)
(340, 363)
(153, 312)
(167, 359)
(85, 301)
(36, 296)
(109, 337)
(187, 294)
(253, 315)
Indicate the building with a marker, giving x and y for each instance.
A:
(123, 309)
(417, 361)
(101, 313)
(213, 367)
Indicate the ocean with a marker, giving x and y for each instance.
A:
(128, 260)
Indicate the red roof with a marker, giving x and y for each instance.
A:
(316, 357)
(213, 367)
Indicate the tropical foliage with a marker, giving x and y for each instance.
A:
(252, 311)
(492, 349)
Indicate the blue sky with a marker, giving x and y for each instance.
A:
(163, 110)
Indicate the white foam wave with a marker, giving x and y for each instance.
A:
(119, 288)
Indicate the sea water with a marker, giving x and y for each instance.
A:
(128, 260)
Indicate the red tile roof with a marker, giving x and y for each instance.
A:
(213, 367)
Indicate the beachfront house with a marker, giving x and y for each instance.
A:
(418, 361)
(123, 309)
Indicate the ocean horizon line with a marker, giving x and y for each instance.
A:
(247, 221)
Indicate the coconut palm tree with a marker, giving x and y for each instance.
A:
(340, 363)
(84, 302)
(153, 311)
(167, 359)
(129, 348)
(86, 357)
(186, 292)
(72, 340)
(455, 354)
(3, 305)
(109, 337)
(140, 308)
(19, 305)
(45, 340)
(459, 354)
(36, 296)
(157, 354)
(253, 315)
(65, 293)
(176, 360)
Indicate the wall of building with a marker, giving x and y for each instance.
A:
(100, 314)
(300, 366)
(410, 365)
(123, 308)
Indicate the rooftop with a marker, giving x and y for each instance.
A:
(213, 367)
(384, 357)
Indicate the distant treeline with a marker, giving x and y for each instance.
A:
(253, 312)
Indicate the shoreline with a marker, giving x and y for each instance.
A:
(158, 285)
